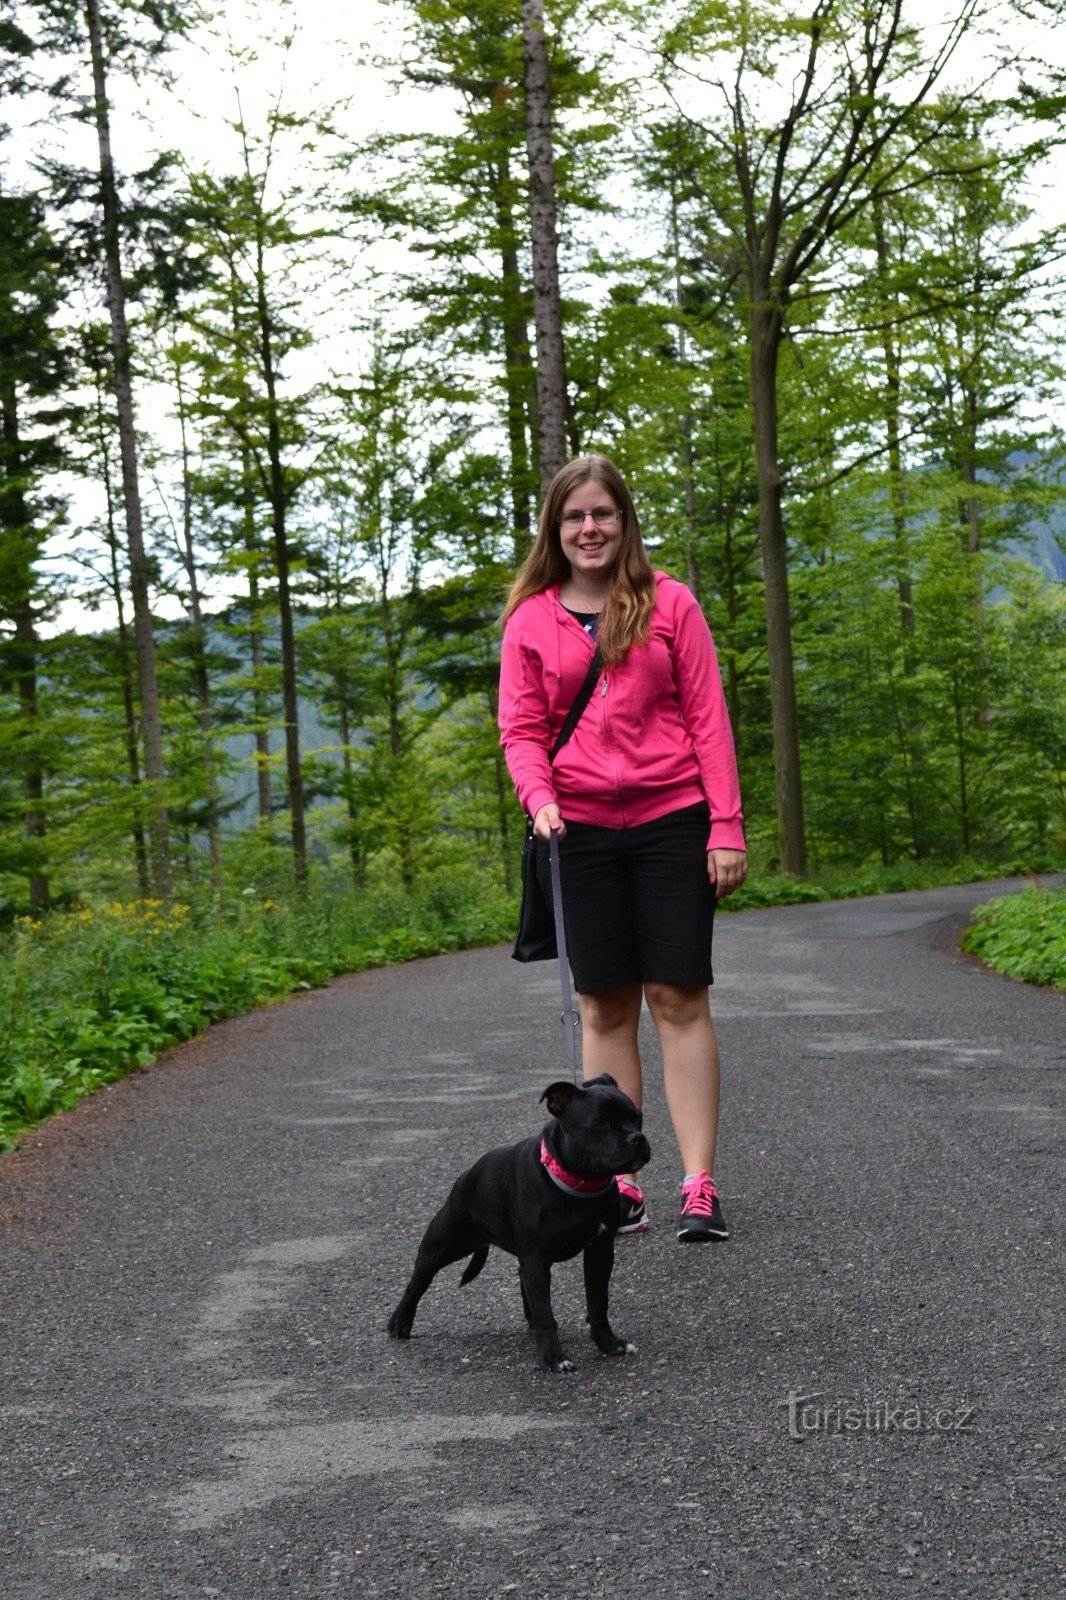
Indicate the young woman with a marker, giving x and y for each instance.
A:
(645, 797)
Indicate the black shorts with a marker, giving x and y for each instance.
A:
(637, 903)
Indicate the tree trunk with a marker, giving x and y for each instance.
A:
(341, 689)
(260, 709)
(687, 444)
(732, 611)
(504, 812)
(906, 758)
(19, 558)
(688, 469)
(151, 720)
(278, 508)
(765, 338)
(27, 646)
(405, 842)
(961, 753)
(129, 704)
(688, 478)
(514, 327)
(894, 431)
(972, 508)
(205, 714)
(547, 313)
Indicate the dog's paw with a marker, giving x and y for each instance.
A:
(609, 1344)
(562, 1365)
(399, 1327)
(620, 1348)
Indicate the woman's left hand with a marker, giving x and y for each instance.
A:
(727, 870)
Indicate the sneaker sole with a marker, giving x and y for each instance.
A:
(636, 1227)
(688, 1236)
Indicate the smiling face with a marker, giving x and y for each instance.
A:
(590, 531)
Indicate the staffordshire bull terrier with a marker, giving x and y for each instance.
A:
(542, 1200)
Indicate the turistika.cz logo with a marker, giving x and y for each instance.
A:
(811, 1413)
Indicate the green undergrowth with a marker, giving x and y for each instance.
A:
(833, 882)
(89, 994)
(1022, 935)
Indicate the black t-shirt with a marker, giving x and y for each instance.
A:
(589, 620)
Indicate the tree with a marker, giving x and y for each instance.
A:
(121, 377)
(262, 234)
(458, 622)
(338, 664)
(786, 186)
(373, 480)
(96, 434)
(544, 240)
(179, 367)
(33, 373)
(462, 201)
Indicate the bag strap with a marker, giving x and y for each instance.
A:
(570, 1016)
(573, 716)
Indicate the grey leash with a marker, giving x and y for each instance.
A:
(569, 1014)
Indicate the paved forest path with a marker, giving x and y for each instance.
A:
(197, 1266)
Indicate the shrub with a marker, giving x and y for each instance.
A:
(87, 995)
(1022, 935)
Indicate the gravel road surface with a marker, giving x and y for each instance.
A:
(858, 1394)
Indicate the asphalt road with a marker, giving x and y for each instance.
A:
(197, 1267)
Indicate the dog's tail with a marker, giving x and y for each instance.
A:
(474, 1265)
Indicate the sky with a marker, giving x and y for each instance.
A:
(337, 56)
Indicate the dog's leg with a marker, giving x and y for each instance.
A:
(525, 1299)
(536, 1296)
(598, 1261)
(442, 1244)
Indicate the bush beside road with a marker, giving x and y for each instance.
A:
(1023, 936)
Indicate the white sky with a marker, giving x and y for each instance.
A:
(333, 57)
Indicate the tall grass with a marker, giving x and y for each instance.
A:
(88, 994)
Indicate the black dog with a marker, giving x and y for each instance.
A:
(542, 1200)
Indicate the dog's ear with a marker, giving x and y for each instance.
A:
(559, 1096)
(604, 1080)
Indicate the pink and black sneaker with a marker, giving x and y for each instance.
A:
(634, 1211)
(701, 1218)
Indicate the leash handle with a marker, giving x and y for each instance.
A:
(560, 940)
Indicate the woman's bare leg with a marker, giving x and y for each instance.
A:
(691, 1072)
(609, 1023)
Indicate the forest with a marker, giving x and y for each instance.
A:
(279, 400)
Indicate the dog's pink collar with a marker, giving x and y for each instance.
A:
(587, 1188)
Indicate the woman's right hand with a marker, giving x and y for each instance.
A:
(545, 820)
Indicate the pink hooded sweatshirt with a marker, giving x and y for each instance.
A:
(654, 737)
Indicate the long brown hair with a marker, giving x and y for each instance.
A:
(626, 617)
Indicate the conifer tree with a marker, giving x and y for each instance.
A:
(33, 374)
(544, 243)
(262, 234)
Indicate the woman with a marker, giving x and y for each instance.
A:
(645, 797)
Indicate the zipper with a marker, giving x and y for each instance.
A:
(619, 790)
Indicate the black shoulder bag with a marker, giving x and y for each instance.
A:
(536, 921)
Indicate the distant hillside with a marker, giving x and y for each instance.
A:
(1047, 543)
(1045, 546)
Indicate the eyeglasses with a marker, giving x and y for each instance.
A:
(603, 517)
